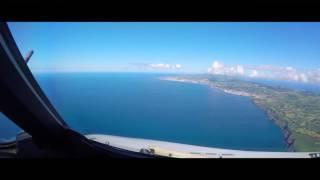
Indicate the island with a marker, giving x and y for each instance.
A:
(297, 113)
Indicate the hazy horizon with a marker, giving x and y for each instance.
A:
(285, 51)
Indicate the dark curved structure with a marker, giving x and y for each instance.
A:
(23, 102)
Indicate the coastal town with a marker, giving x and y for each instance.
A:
(207, 82)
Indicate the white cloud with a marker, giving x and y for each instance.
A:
(219, 68)
(289, 68)
(266, 71)
(165, 66)
(160, 66)
(217, 65)
(156, 66)
(178, 66)
(240, 69)
(254, 73)
(303, 77)
(216, 68)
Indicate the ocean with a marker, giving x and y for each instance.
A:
(142, 106)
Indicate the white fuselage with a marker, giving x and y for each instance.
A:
(179, 150)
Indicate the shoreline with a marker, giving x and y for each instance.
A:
(286, 132)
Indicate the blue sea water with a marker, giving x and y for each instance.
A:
(140, 105)
(8, 130)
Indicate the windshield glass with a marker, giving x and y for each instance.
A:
(246, 86)
(8, 130)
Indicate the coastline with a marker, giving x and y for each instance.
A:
(287, 134)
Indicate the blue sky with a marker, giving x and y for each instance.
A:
(116, 46)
